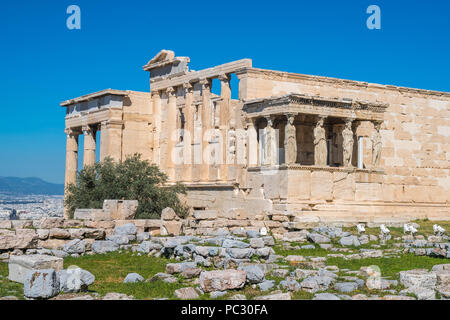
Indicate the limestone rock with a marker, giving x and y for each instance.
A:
(254, 273)
(120, 239)
(326, 296)
(41, 284)
(168, 214)
(75, 246)
(418, 278)
(126, 229)
(221, 280)
(117, 296)
(237, 253)
(228, 243)
(275, 296)
(133, 278)
(350, 241)
(318, 238)
(186, 293)
(75, 279)
(104, 246)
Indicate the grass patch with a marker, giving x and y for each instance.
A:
(390, 267)
(9, 288)
(111, 269)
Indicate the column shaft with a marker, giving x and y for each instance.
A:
(171, 133)
(71, 157)
(89, 146)
(206, 128)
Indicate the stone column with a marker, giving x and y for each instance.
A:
(347, 143)
(227, 128)
(156, 100)
(290, 140)
(90, 143)
(376, 144)
(252, 144)
(188, 132)
(320, 143)
(171, 132)
(206, 127)
(111, 140)
(71, 156)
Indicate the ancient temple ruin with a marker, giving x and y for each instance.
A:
(291, 147)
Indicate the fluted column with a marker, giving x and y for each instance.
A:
(89, 145)
(227, 128)
(171, 132)
(206, 127)
(290, 140)
(156, 101)
(320, 143)
(188, 132)
(71, 156)
(252, 143)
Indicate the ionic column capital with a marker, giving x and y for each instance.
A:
(170, 92)
(155, 94)
(72, 132)
(224, 77)
(205, 83)
(188, 87)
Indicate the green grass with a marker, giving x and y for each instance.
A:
(9, 288)
(390, 267)
(111, 269)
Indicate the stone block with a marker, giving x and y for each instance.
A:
(19, 266)
(92, 214)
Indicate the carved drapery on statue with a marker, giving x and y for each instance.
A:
(347, 137)
(376, 145)
(290, 142)
(271, 147)
(320, 144)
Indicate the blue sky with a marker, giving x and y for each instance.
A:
(43, 63)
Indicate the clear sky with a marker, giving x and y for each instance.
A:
(42, 62)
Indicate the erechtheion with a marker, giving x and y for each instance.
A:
(294, 147)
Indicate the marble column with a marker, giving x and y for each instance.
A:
(111, 140)
(252, 143)
(71, 156)
(206, 128)
(156, 101)
(227, 128)
(347, 143)
(188, 132)
(320, 143)
(90, 144)
(171, 132)
(290, 140)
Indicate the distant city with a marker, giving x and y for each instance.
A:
(30, 207)
(29, 198)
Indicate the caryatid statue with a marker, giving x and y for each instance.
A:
(290, 140)
(376, 144)
(347, 141)
(320, 144)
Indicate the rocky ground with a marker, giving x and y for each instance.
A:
(330, 263)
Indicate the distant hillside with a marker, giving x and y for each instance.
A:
(26, 186)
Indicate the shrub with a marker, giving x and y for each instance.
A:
(132, 179)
